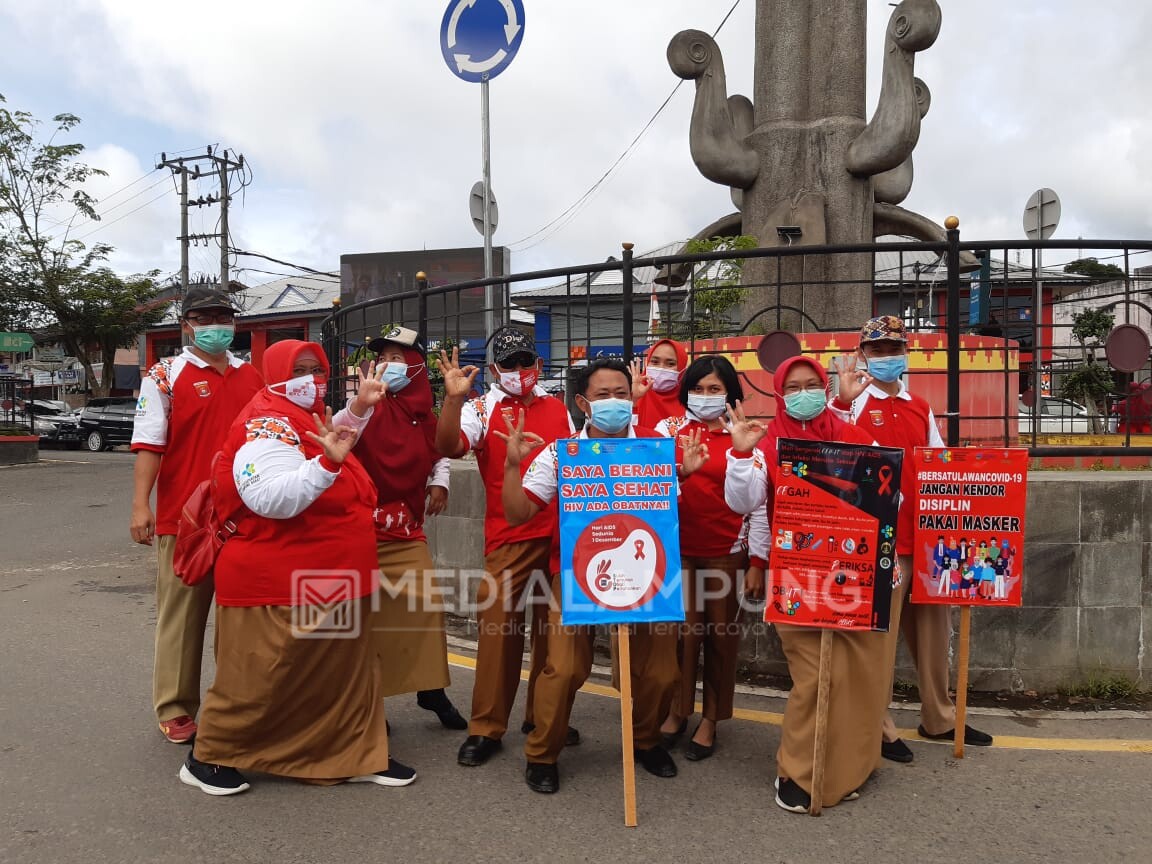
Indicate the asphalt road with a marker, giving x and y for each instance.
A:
(85, 775)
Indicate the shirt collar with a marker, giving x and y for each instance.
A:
(200, 363)
(584, 431)
(496, 394)
(876, 393)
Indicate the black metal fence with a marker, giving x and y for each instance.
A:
(1009, 351)
(16, 416)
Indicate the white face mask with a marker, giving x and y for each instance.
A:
(663, 379)
(304, 391)
(707, 407)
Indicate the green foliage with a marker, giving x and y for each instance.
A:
(48, 279)
(1109, 688)
(1092, 326)
(716, 292)
(1090, 383)
(1094, 269)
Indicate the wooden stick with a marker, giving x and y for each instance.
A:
(624, 655)
(820, 744)
(962, 680)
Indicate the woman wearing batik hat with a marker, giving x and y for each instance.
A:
(656, 389)
(858, 701)
(297, 691)
(397, 446)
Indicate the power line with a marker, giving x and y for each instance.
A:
(560, 221)
(104, 225)
(301, 267)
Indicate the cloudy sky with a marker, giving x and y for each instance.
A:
(360, 139)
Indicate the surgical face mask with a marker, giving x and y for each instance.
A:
(307, 391)
(707, 407)
(519, 383)
(396, 376)
(805, 405)
(663, 379)
(610, 415)
(213, 338)
(888, 369)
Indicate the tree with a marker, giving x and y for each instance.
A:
(1090, 382)
(48, 278)
(715, 291)
(1094, 269)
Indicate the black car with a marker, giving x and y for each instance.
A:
(107, 421)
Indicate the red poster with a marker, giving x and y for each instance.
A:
(833, 535)
(970, 526)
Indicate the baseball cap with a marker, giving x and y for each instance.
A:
(510, 341)
(402, 336)
(883, 328)
(205, 297)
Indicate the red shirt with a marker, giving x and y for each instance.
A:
(184, 411)
(905, 421)
(709, 528)
(547, 417)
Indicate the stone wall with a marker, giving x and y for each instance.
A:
(19, 449)
(1087, 585)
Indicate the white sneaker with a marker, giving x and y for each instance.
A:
(398, 774)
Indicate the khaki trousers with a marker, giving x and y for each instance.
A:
(409, 622)
(927, 630)
(501, 600)
(181, 615)
(711, 624)
(654, 676)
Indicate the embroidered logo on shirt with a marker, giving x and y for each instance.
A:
(877, 418)
(202, 389)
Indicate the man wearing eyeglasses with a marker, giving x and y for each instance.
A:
(186, 405)
(514, 556)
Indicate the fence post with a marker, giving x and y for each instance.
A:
(952, 224)
(626, 275)
(422, 305)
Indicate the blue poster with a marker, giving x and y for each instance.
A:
(619, 531)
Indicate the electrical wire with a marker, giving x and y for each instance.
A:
(104, 225)
(569, 214)
(300, 267)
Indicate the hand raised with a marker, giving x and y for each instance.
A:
(641, 383)
(746, 434)
(335, 441)
(693, 453)
(853, 380)
(457, 380)
(370, 389)
(520, 443)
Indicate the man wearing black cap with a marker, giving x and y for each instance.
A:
(514, 556)
(186, 406)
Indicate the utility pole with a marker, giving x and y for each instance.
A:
(219, 167)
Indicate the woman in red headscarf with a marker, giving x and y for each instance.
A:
(656, 390)
(296, 690)
(397, 446)
(858, 697)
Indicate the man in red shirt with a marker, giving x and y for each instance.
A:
(878, 401)
(186, 405)
(514, 556)
(604, 394)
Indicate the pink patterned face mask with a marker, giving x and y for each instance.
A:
(307, 391)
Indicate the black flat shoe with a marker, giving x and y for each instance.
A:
(438, 703)
(656, 761)
(476, 750)
(542, 777)
(896, 751)
(572, 739)
(669, 739)
(971, 736)
(694, 752)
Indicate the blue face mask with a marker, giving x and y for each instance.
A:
(396, 377)
(610, 415)
(213, 338)
(805, 405)
(888, 369)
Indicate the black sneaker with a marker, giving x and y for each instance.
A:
(896, 751)
(398, 774)
(212, 779)
(790, 797)
(438, 703)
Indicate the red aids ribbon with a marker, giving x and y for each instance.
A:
(639, 551)
(885, 474)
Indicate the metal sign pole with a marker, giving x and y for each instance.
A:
(489, 290)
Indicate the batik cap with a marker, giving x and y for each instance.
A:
(883, 328)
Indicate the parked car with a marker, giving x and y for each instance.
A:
(55, 423)
(1056, 416)
(107, 421)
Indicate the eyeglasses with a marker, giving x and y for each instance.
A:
(203, 318)
(793, 389)
(318, 371)
(523, 361)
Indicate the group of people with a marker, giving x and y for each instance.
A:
(343, 498)
(973, 568)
